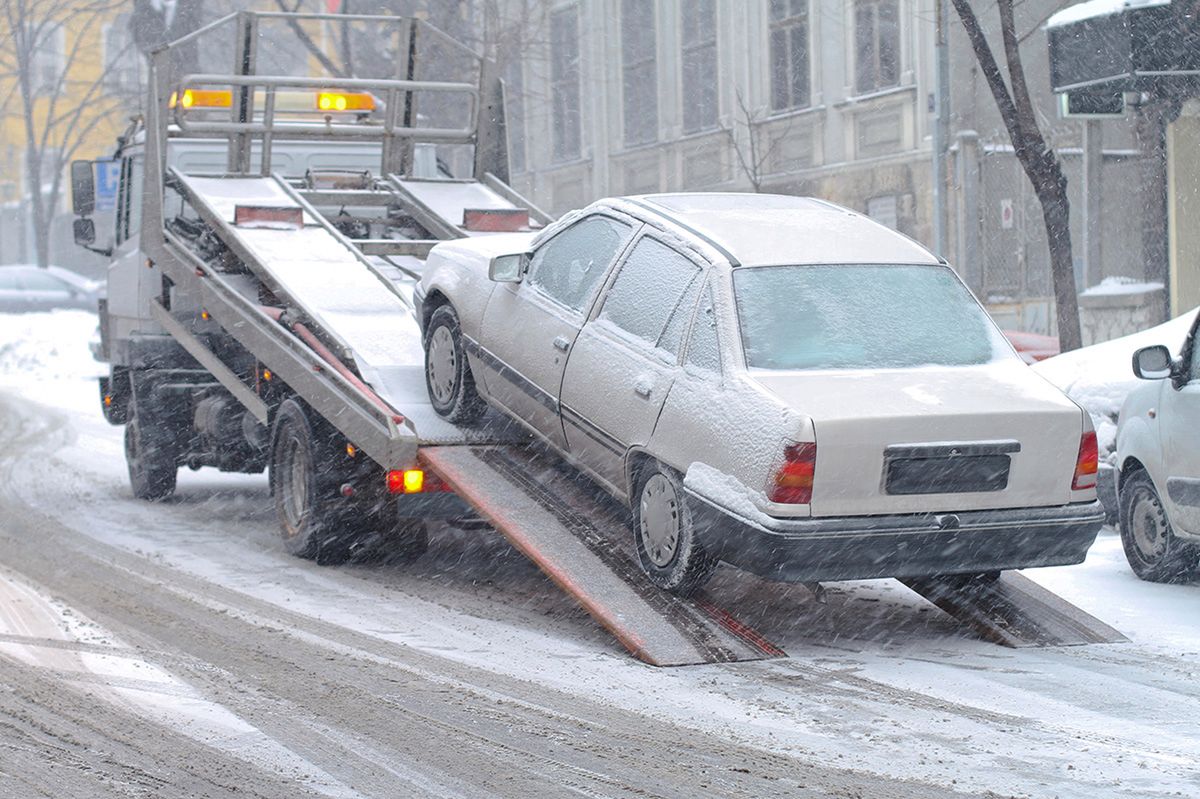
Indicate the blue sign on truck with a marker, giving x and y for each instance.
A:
(108, 175)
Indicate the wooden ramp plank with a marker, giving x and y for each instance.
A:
(1014, 611)
(559, 525)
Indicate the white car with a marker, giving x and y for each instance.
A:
(771, 381)
(1158, 464)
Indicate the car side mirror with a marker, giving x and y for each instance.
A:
(508, 268)
(83, 188)
(1152, 363)
(85, 232)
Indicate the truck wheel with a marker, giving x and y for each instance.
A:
(150, 454)
(667, 547)
(1153, 550)
(304, 490)
(447, 373)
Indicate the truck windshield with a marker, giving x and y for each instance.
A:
(875, 316)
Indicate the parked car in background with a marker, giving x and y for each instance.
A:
(775, 382)
(25, 288)
(1158, 462)
(1032, 347)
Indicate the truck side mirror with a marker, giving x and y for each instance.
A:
(83, 190)
(85, 232)
(1152, 363)
(508, 268)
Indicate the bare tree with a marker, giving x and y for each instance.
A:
(1036, 157)
(58, 92)
(752, 147)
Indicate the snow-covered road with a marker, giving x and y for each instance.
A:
(176, 650)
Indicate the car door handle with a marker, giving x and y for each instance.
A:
(642, 388)
(561, 343)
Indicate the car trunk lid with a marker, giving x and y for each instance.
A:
(934, 439)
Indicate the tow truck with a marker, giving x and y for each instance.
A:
(267, 233)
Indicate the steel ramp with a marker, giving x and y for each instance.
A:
(1014, 611)
(557, 522)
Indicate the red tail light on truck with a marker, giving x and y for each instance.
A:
(793, 482)
(1087, 463)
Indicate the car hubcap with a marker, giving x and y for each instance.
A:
(660, 520)
(295, 484)
(443, 365)
(1147, 522)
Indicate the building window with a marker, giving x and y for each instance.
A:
(514, 114)
(47, 62)
(876, 45)
(698, 22)
(789, 54)
(639, 71)
(122, 62)
(564, 83)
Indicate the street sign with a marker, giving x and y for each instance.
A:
(1091, 105)
(108, 177)
(1006, 214)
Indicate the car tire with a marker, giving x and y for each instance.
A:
(448, 375)
(151, 453)
(668, 550)
(1153, 550)
(311, 521)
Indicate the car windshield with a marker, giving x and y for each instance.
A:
(875, 316)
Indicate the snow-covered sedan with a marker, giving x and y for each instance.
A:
(1158, 464)
(771, 381)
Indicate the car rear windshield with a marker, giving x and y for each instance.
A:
(860, 317)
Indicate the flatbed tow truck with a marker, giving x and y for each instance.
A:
(267, 234)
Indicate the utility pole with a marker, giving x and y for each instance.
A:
(941, 126)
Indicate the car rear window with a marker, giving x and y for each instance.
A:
(860, 317)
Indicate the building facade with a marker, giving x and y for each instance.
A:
(832, 98)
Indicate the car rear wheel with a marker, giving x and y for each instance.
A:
(668, 550)
(1153, 550)
(447, 373)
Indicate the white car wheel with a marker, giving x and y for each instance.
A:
(1153, 550)
(447, 374)
(669, 552)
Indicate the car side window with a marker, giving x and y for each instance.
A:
(651, 285)
(570, 266)
(36, 280)
(703, 351)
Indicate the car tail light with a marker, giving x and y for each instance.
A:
(793, 481)
(1088, 462)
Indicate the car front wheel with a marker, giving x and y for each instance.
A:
(447, 374)
(668, 550)
(1153, 550)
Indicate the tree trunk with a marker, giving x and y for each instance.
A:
(1056, 213)
(1036, 157)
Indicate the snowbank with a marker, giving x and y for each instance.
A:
(1099, 377)
(47, 346)
(1120, 285)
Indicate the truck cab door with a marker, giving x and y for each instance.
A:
(1179, 428)
(530, 327)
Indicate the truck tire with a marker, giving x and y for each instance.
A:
(448, 375)
(151, 452)
(1153, 550)
(667, 547)
(304, 484)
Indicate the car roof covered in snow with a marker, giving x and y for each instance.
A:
(761, 229)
